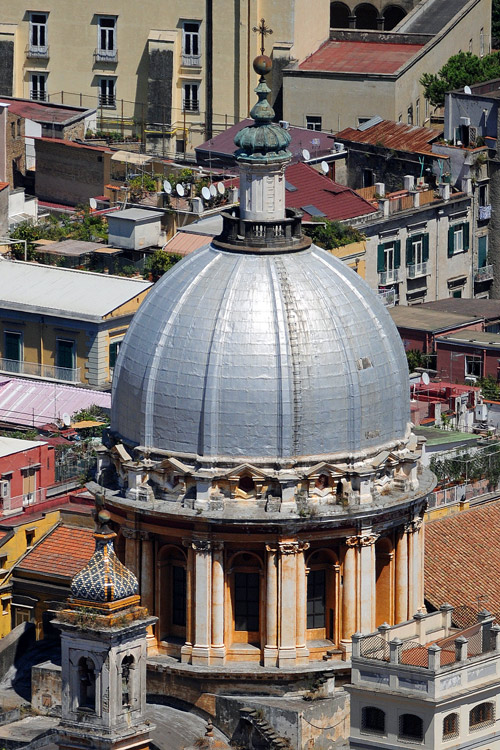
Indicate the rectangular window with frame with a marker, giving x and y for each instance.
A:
(5, 488)
(314, 122)
(481, 43)
(316, 599)
(417, 112)
(114, 348)
(389, 260)
(38, 87)
(458, 238)
(246, 601)
(107, 92)
(106, 34)
(38, 33)
(417, 249)
(190, 101)
(483, 195)
(191, 43)
(65, 358)
(410, 115)
(178, 595)
(482, 251)
(473, 366)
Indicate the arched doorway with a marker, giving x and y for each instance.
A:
(322, 569)
(339, 16)
(384, 588)
(245, 610)
(392, 14)
(366, 16)
(172, 588)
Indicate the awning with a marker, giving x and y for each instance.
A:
(129, 157)
(84, 424)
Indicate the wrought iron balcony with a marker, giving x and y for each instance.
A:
(389, 277)
(483, 274)
(38, 51)
(191, 61)
(388, 297)
(418, 269)
(38, 96)
(191, 105)
(107, 100)
(106, 55)
(33, 369)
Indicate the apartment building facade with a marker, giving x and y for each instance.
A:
(177, 72)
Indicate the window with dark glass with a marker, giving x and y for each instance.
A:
(246, 601)
(450, 726)
(411, 727)
(65, 354)
(178, 595)
(316, 599)
(38, 30)
(12, 351)
(107, 39)
(191, 46)
(481, 715)
(373, 719)
(114, 348)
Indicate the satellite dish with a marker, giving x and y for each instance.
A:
(66, 419)
(324, 167)
(167, 187)
(305, 154)
(467, 90)
(205, 193)
(93, 204)
(213, 191)
(425, 378)
(179, 189)
(221, 189)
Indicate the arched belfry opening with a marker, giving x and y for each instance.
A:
(393, 14)
(366, 16)
(339, 16)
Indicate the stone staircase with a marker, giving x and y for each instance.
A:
(272, 739)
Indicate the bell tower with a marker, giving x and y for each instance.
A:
(103, 643)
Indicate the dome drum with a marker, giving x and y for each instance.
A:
(247, 235)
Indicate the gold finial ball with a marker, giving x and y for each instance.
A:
(262, 65)
(103, 517)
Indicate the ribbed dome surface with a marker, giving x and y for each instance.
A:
(263, 355)
(259, 141)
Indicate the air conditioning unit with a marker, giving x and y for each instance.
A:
(472, 135)
(470, 379)
(284, 124)
(339, 147)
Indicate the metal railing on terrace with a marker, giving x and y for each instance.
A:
(418, 269)
(191, 61)
(33, 369)
(10, 504)
(389, 277)
(484, 274)
(37, 51)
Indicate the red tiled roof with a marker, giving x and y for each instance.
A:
(63, 552)
(42, 111)
(360, 57)
(395, 135)
(4, 185)
(462, 558)
(337, 202)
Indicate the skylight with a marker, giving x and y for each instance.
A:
(312, 211)
(291, 188)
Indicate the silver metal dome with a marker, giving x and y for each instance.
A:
(261, 355)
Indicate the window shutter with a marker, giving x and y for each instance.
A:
(425, 247)
(482, 252)
(381, 258)
(397, 254)
(410, 255)
(465, 227)
(451, 241)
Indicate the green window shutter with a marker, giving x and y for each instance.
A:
(465, 227)
(397, 254)
(451, 241)
(381, 258)
(482, 252)
(410, 255)
(425, 245)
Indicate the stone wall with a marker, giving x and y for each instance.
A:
(16, 150)
(6, 67)
(46, 685)
(69, 174)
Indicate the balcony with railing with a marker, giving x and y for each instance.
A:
(248, 234)
(388, 297)
(38, 95)
(191, 61)
(107, 100)
(33, 369)
(37, 51)
(392, 276)
(106, 55)
(483, 274)
(418, 269)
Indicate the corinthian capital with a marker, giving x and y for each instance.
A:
(201, 545)
(129, 533)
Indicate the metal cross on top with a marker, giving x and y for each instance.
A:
(263, 30)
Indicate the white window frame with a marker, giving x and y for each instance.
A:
(314, 122)
(191, 43)
(418, 250)
(107, 92)
(191, 103)
(5, 489)
(108, 28)
(389, 256)
(481, 43)
(473, 366)
(38, 86)
(458, 239)
(38, 32)
(417, 113)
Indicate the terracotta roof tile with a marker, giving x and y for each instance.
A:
(63, 552)
(360, 57)
(462, 558)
